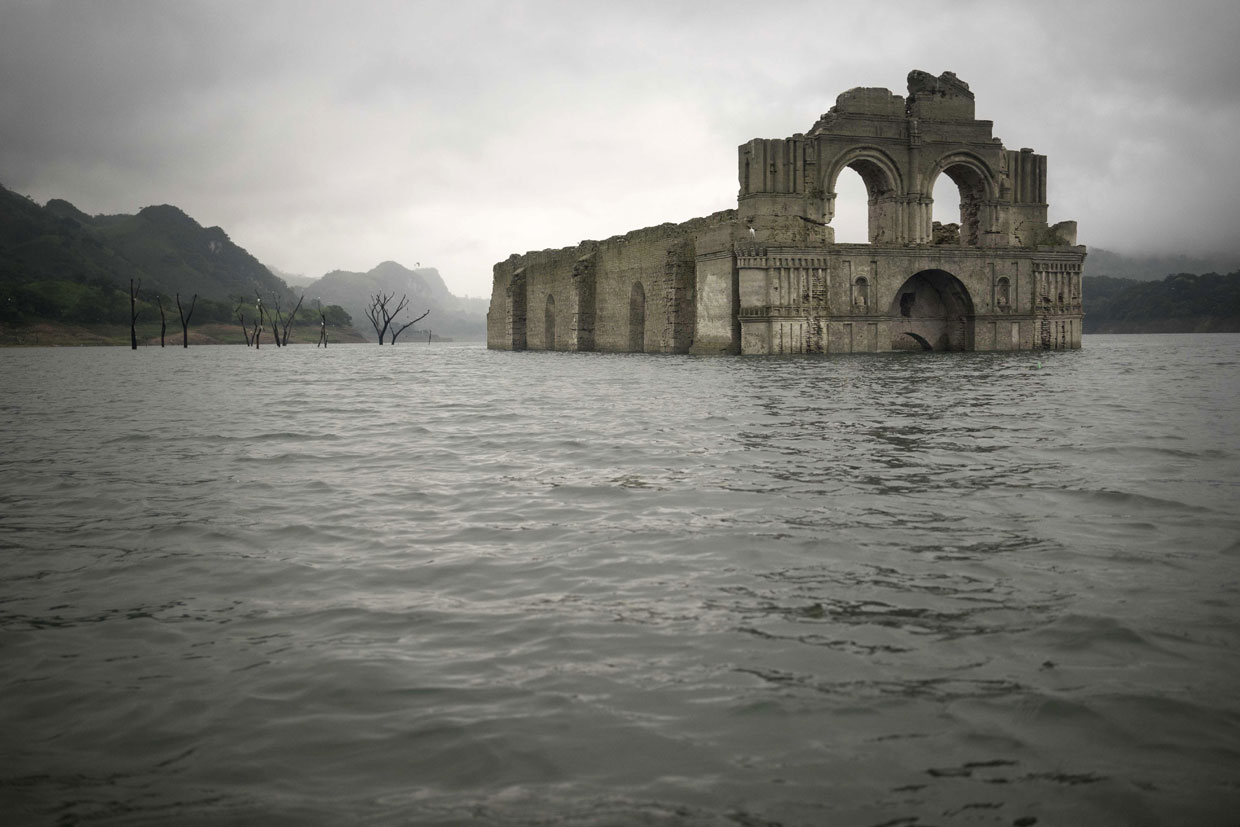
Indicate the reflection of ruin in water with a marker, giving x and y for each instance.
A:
(768, 276)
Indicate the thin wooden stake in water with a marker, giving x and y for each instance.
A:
(133, 314)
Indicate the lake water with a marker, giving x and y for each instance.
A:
(434, 584)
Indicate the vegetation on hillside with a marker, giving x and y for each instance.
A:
(1180, 303)
(64, 270)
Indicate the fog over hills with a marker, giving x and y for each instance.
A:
(451, 316)
(293, 280)
(1102, 262)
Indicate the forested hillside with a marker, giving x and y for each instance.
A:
(59, 266)
(1180, 303)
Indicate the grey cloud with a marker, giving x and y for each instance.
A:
(339, 135)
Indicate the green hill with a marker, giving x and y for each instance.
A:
(161, 246)
(1180, 303)
(62, 267)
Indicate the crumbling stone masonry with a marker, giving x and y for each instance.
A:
(768, 277)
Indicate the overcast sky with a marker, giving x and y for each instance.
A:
(338, 135)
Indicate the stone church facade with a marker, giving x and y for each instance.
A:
(768, 277)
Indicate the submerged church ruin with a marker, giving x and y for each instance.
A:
(768, 277)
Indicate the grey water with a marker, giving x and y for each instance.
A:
(433, 584)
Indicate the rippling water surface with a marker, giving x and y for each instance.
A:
(441, 585)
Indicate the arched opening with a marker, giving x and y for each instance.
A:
(881, 180)
(959, 193)
(919, 340)
(637, 319)
(932, 310)
(852, 210)
(549, 324)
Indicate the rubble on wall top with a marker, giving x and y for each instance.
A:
(945, 85)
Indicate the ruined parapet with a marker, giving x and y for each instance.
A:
(946, 97)
(899, 147)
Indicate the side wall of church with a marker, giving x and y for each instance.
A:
(636, 292)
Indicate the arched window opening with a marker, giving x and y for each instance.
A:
(883, 209)
(549, 324)
(946, 212)
(956, 214)
(637, 319)
(852, 209)
(1003, 292)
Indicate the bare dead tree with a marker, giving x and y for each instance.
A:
(185, 317)
(258, 324)
(428, 337)
(133, 313)
(288, 323)
(378, 311)
(245, 331)
(163, 324)
(397, 331)
(273, 316)
(322, 324)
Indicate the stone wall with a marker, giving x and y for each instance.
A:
(635, 292)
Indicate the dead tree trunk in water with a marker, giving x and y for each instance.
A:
(273, 316)
(396, 332)
(163, 324)
(245, 331)
(133, 314)
(291, 316)
(322, 324)
(185, 317)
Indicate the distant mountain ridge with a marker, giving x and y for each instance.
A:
(1102, 262)
(46, 250)
(161, 246)
(450, 316)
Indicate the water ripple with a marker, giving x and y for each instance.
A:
(443, 585)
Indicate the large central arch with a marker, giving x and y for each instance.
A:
(932, 310)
